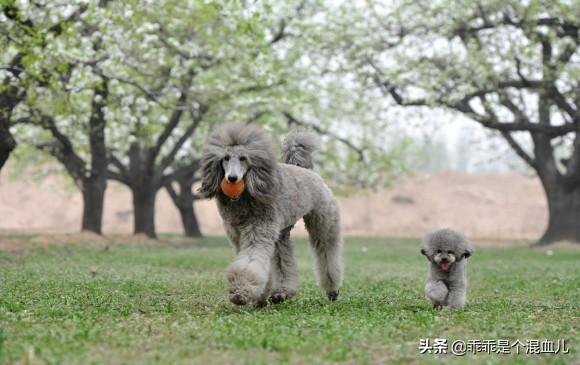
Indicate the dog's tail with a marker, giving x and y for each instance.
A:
(298, 147)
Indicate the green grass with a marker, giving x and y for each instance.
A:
(165, 305)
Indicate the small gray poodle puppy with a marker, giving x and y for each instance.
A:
(447, 252)
(259, 220)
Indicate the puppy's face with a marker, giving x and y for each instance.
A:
(235, 163)
(444, 258)
(445, 248)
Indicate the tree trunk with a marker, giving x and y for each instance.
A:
(189, 220)
(93, 191)
(144, 210)
(564, 219)
(563, 197)
(94, 186)
(184, 200)
(7, 143)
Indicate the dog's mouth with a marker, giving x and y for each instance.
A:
(444, 266)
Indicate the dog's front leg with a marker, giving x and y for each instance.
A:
(233, 235)
(457, 296)
(436, 292)
(248, 275)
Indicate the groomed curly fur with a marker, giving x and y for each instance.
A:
(298, 147)
(447, 251)
(260, 179)
(258, 223)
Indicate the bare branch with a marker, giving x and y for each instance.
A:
(118, 164)
(255, 116)
(521, 123)
(518, 149)
(257, 87)
(169, 127)
(280, 33)
(563, 104)
(185, 171)
(13, 70)
(97, 123)
(197, 118)
(114, 175)
(62, 148)
(563, 28)
(208, 61)
(519, 71)
(388, 89)
(519, 115)
(150, 95)
(516, 126)
(171, 191)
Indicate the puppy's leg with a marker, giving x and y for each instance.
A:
(323, 226)
(457, 296)
(436, 292)
(284, 270)
(249, 273)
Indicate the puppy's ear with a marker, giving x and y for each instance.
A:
(425, 251)
(467, 253)
(468, 250)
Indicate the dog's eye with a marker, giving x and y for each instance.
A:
(227, 158)
(450, 252)
(243, 158)
(439, 251)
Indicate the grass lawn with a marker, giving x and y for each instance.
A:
(76, 304)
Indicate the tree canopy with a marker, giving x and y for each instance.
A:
(511, 66)
(128, 91)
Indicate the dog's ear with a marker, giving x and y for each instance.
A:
(261, 183)
(262, 176)
(467, 249)
(212, 171)
(425, 251)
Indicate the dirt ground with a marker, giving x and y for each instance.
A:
(492, 208)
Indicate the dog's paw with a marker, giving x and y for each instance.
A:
(245, 286)
(332, 295)
(238, 299)
(456, 305)
(277, 298)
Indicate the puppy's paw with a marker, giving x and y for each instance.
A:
(456, 299)
(436, 292)
(333, 295)
(458, 305)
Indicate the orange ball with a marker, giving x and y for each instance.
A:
(233, 190)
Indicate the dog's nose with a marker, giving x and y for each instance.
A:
(232, 178)
(444, 259)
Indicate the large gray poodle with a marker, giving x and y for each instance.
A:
(258, 222)
(447, 251)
